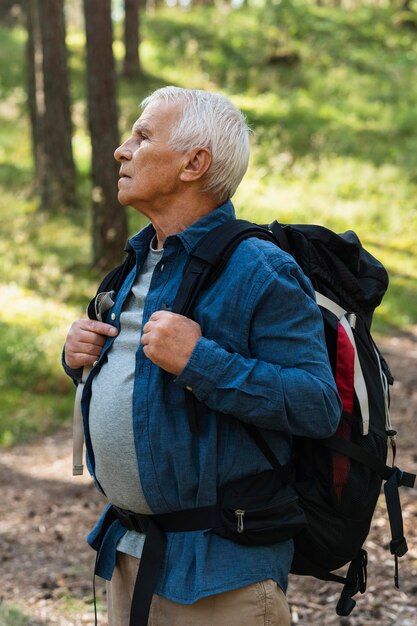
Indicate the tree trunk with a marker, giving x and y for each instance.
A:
(35, 90)
(49, 104)
(131, 63)
(109, 217)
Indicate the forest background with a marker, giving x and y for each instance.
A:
(328, 87)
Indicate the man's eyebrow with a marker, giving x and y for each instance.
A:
(139, 127)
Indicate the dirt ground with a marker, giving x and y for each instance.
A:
(45, 513)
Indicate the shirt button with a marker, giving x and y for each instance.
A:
(189, 388)
(113, 316)
(162, 267)
(95, 363)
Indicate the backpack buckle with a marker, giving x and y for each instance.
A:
(346, 603)
(398, 546)
(356, 579)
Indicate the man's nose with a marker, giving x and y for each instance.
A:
(122, 153)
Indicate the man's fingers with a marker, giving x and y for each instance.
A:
(90, 331)
(156, 315)
(85, 352)
(92, 339)
(85, 341)
(88, 348)
(162, 317)
(99, 328)
(80, 359)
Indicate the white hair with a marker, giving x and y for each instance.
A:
(210, 120)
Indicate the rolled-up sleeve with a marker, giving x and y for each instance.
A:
(76, 374)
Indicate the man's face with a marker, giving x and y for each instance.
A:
(149, 168)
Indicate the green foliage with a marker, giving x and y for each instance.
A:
(12, 75)
(331, 96)
(13, 616)
(45, 285)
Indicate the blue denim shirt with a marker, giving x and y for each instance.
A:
(261, 358)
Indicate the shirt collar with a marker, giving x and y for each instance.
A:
(191, 235)
(142, 241)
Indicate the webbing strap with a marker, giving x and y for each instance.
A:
(155, 546)
(398, 543)
(206, 262)
(147, 577)
(388, 425)
(365, 457)
(194, 278)
(356, 579)
(78, 428)
(209, 257)
(280, 235)
(101, 303)
(359, 379)
(259, 439)
(191, 404)
(114, 279)
(355, 452)
(330, 305)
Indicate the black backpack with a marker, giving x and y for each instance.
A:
(338, 479)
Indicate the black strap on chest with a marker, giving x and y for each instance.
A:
(114, 279)
(210, 256)
(206, 262)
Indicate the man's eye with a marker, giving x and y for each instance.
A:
(139, 136)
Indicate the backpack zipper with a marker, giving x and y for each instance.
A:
(240, 514)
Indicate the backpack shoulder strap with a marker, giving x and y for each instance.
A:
(209, 257)
(280, 236)
(206, 262)
(114, 279)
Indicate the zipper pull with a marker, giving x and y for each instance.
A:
(239, 514)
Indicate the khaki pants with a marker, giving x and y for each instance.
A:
(260, 604)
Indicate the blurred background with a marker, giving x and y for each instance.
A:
(329, 88)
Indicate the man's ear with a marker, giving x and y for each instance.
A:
(197, 165)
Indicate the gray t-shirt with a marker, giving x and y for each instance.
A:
(110, 421)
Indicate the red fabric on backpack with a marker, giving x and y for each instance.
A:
(345, 381)
(345, 369)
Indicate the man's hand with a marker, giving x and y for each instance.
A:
(168, 340)
(84, 342)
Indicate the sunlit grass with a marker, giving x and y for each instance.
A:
(12, 615)
(36, 394)
(343, 194)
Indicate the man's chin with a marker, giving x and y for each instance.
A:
(122, 199)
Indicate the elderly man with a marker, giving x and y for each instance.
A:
(253, 354)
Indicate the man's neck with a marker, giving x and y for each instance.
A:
(175, 220)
